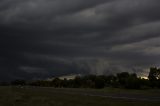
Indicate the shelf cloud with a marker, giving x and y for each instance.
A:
(44, 38)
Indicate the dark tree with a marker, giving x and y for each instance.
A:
(19, 82)
(122, 77)
(154, 77)
(77, 82)
(57, 82)
(153, 74)
(99, 82)
(132, 82)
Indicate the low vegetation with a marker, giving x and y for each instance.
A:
(48, 96)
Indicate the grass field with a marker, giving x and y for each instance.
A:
(36, 96)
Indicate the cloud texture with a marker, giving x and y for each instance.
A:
(43, 38)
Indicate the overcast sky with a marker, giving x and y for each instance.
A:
(44, 38)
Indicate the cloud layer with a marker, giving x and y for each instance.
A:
(43, 38)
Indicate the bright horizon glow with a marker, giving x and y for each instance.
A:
(144, 77)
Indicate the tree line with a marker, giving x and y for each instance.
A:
(120, 80)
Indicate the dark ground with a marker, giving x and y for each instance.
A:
(36, 96)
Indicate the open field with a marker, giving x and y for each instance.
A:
(36, 96)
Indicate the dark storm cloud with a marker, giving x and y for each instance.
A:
(42, 38)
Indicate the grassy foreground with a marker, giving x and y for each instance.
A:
(34, 96)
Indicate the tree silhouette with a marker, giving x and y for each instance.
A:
(153, 74)
(154, 77)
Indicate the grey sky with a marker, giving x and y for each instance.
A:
(43, 38)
